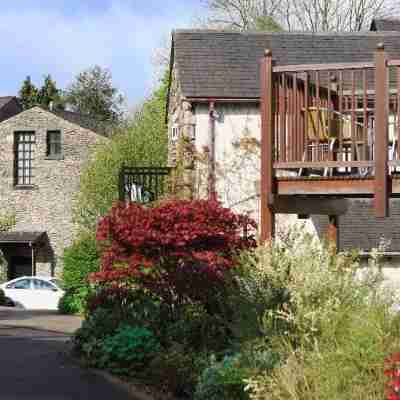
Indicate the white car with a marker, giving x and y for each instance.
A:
(33, 292)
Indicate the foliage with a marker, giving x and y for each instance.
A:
(179, 250)
(222, 381)
(49, 93)
(128, 350)
(199, 330)
(92, 93)
(141, 142)
(335, 328)
(392, 371)
(80, 259)
(74, 301)
(31, 96)
(129, 305)
(176, 370)
(28, 94)
(88, 338)
(7, 221)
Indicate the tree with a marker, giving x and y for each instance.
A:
(142, 142)
(31, 96)
(49, 93)
(242, 15)
(179, 250)
(306, 15)
(28, 94)
(93, 94)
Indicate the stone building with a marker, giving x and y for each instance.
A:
(42, 154)
(214, 104)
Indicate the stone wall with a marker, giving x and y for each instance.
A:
(181, 137)
(48, 204)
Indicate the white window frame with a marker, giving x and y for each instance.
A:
(174, 132)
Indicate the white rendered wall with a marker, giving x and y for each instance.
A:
(238, 170)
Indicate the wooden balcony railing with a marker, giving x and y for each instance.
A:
(331, 120)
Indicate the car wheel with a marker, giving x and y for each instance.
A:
(9, 302)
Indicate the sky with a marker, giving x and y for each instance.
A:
(65, 37)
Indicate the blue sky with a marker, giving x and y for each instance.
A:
(64, 37)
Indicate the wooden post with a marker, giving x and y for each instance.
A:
(33, 259)
(381, 198)
(267, 148)
(333, 232)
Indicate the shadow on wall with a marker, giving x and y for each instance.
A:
(360, 229)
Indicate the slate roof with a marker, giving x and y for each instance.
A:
(84, 121)
(386, 24)
(4, 100)
(21, 237)
(215, 64)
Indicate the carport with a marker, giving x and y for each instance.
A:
(20, 249)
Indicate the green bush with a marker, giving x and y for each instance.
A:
(80, 259)
(223, 380)
(226, 379)
(176, 370)
(197, 329)
(74, 301)
(128, 350)
(94, 329)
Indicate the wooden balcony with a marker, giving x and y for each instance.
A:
(329, 132)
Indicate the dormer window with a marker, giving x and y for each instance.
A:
(54, 145)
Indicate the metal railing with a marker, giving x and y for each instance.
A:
(142, 184)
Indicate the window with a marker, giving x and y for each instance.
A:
(24, 149)
(39, 284)
(53, 144)
(22, 284)
(175, 132)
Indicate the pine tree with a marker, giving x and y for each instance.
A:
(49, 93)
(28, 94)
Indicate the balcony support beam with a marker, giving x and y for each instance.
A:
(267, 146)
(381, 196)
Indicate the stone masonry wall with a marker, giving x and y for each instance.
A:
(48, 204)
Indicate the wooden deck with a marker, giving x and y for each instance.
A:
(329, 132)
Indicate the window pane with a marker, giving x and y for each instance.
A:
(39, 284)
(22, 284)
(24, 157)
(53, 143)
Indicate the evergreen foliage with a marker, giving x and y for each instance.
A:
(31, 96)
(92, 93)
(28, 94)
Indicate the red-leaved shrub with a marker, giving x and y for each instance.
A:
(179, 250)
(392, 371)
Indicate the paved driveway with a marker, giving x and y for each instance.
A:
(34, 366)
(46, 320)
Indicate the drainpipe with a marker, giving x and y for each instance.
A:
(212, 194)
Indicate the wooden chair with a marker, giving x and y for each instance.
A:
(323, 130)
